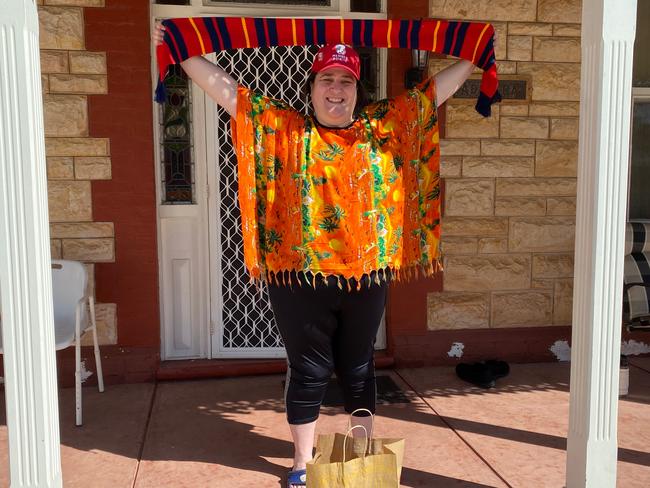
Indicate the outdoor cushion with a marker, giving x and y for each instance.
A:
(636, 293)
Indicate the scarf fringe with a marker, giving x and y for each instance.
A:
(388, 274)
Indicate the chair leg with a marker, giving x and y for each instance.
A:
(77, 372)
(98, 357)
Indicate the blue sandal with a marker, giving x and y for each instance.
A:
(297, 478)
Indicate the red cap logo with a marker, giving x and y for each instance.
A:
(337, 55)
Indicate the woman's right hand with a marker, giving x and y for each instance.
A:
(157, 34)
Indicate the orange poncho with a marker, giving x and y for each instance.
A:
(342, 202)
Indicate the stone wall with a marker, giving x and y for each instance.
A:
(70, 74)
(510, 180)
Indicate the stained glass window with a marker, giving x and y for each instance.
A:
(311, 3)
(372, 6)
(177, 152)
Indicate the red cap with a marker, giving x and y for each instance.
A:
(337, 55)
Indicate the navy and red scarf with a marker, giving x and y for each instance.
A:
(473, 41)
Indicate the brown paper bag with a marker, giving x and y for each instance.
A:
(343, 461)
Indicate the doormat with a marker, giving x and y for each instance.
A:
(387, 392)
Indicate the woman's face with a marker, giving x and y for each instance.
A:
(334, 95)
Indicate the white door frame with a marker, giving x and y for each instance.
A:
(187, 240)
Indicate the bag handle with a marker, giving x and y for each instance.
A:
(347, 434)
(372, 420)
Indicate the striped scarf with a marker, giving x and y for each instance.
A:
(473, 41)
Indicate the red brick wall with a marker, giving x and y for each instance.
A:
(121, 29)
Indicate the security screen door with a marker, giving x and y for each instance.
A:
(243, 323)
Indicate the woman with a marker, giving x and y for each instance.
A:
(324, 207)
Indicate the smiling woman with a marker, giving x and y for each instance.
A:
(340, 200)
(334, 86)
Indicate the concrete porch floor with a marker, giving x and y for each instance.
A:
(232, 432)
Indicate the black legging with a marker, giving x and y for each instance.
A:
(328, 329)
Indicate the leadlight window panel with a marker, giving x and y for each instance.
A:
(371, 6)
(176, 147)
(309, 3)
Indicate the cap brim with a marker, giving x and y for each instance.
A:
(342, 66)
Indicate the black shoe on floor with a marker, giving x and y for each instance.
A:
(478, 374)
(500, 369)
(483, 374)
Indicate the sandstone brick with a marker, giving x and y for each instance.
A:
(556, 158)
(524, 127)
(565, 128)
(457, 311)
(69, 201)
(487, 272)
(84, 84)
(542, 284)
(557, 49)
(106, 314)
(459, 147)
(82, 230)
(61, 27)
(92, 168)
(563, 302)
(464, 121)
(458, 245)
(555, 109)
(542, 234)
(55, 248)
(481, 227)
(520, 109)
(529, 29)
(569, 30)
(65, 116)
(532, 187)
(89, 250)
(76, 146)
(506, 10)
(520, 48)
(520, 206)
(438, 64)
(60, 168)
(45, 84)
(54, 61)
(492, 245)
(76, 3)
(87, 63)
(522, 308)
(552, 265)
(553, 81)
(451, 166)
(559, 11)
(503, 166)
(561, 206)
(469, 197)
(507, 147)
(507, 68)
(501, 36)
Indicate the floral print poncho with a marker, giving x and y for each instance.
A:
(341, 202)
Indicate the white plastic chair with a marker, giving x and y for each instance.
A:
(71, 319)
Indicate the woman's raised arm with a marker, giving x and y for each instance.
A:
(218, 84)
(451, 79)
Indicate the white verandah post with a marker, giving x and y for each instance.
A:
(25, 268)
(608, 28)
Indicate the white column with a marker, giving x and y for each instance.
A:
(607, 46)
(25, 269)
